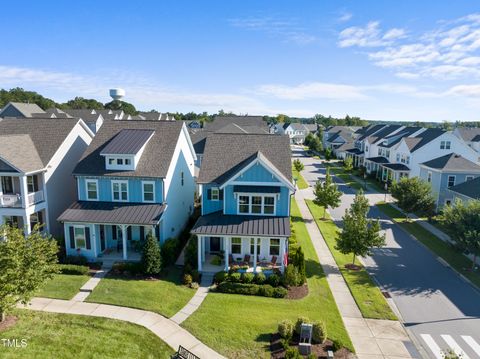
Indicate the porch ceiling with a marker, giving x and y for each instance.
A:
(218, 224)
(113, 212)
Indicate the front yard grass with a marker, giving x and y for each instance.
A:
(165, 296)
(301, 183)
(444, 250)
(62, 286)
(240, 326)
(51, 335)
(367, 295)
(337, 169)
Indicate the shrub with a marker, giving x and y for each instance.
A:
(191, 254)
(195, 276)
(285, 329)
(132, 268)
(187, 279)
(187, 268)
(299, 323)
(274, 280)
(319, 332)
(194, 285)
(78, 260)
(247, 278)
(297, 258)
(298, 165)
(285, 344)
(280, 292)
(259, 278)
(291, 276)
(292, 353)
(220, 277)
(169, 251)
(235, 277)
(73, 269)
(151, 257)
(248, 289)
(265, 290)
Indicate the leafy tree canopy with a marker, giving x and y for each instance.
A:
(80, 103)
(127, 107)
(18, 94)
(327, 193)
(414, 196)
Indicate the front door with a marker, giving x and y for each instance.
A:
(102, 238)
(214, 244)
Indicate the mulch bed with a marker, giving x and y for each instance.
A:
(319, 350)
(8, 322)
(353, 267)
(297, 292)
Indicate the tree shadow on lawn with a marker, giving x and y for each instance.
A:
(171, 274)
(313, 269)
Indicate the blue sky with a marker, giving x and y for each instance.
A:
(381, 60)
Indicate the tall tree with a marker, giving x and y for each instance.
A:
(413, 196)
(151, 256)
(25, 264)
(128, 108)
(348, 164)
(308, 139)
(315, 144)
(326, 193)
(18, 94)
(462, 221)
(328, 154)
(359, 234)
(80, 103)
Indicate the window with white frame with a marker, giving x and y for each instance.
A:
(256, 204)
(451, 181)
(445, 145)
(215, 194)
(274, 246)
(398, 157)
(379, 151)
(468, 178)
(92, 189)
(252, 246)
(79, 235)
(429, 177)
(148, 191)
(236, 245)
(120, 191)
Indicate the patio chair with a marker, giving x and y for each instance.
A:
(246, 259)
(273, 262)
(231, 261)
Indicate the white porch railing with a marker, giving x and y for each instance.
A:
(10, 200)
(35, 197)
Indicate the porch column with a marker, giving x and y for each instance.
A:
(46, 218)
(24, 190)
(124, 241)
(255, 255)
(26, 224)
(282, 254)
(199, 252)
(204, 246)
(225, 241)
(94, 239)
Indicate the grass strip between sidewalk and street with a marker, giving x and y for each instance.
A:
(367, 295)
(444, 250)
(301, 183)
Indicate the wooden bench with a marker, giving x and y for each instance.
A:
(183, 353)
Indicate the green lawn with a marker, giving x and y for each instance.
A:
(240, 326)
(166, 296)
(62, 286)
(444, 250)
(368, 296)
(301, 183)
(336, 168)
(51, 335)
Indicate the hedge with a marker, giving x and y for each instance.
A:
(73, 269)
(264, 290)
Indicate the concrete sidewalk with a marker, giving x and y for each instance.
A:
(167, 330)
(372, 339)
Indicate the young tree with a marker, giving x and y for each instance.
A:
(308, 139)
(462, 221)
(413, 195)
(151, 256)
(359, 234)
(315, 144)
(327, 193)
(298, 165)
(348, 164)
(328, 154)
(25, 264)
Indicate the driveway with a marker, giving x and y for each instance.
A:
(437, 307)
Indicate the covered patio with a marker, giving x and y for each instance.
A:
(357, 156)
(248, 243)
(373, 165)
(394, 171)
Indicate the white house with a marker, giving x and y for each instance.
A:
(470, 135)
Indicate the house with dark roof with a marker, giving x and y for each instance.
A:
(245, 200)
(136, 178)
(466, 191)
(37, 156)
(336, 136)
(91, 117)
(470, 135)
(21, 110)
(445, 172)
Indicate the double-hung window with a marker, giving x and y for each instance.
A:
(215, 194)
(32, 185)
(252, 246)
(236, 245)
(92, 189)
(244, 204)
(451, 181)
(256, 204)
(468, 178)
(148, 190)
(120, 191)
(445, 145)
(269, 205)
(79, 234)
(274, 246)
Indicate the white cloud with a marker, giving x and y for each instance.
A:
(313, 90)
(345, 16)
(464, 90)
(369, 36)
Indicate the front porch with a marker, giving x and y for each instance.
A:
(393, 172)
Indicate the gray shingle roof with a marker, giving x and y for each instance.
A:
(222, 121)
(113, 213)
(85, 115)
(226, 153)
(469, 134)
(452, 162)
(155, 159)
(27, 109)
(127, 142)
(219, 224)
(420, 140)
(396, 138)
(371, 130)
(46, 135)
(20, 152)
(378, 159)
(469, 188)
(396, 166)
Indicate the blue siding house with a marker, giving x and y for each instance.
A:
(445, 172)
(246, 193)
(135, 178)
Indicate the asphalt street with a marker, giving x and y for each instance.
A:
(438, 308)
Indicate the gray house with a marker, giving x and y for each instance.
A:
(445, 172)
(466, 191)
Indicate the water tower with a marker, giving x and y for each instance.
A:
(117, 94)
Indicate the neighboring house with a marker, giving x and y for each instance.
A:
(93, 119)
(295, 131)
(445, 172)
(466, 191)
(336, 136)
(37, 157)
(470, 135)
(194, 124)
(20, 109)
(221, 121)
(135, 178)
(245, 202)
(56, 113)
(154, 116)
(108, 114)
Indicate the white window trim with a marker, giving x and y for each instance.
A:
(84, 237)
(143, 191)
(218, 194)
(275, 246)
(429, 176)
(469, 178)
(120, 192)
(236, 244)
(263, 195)
(454, 180)
(87, 181)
